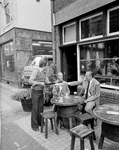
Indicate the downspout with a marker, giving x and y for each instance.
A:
(53, 30)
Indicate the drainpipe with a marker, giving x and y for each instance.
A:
(53, 29)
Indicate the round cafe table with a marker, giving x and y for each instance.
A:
(67, 106)
(109, 115)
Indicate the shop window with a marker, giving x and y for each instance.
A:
(102, 59)
(69, 33)
(91, 27)
(8, 58)
(113, 21)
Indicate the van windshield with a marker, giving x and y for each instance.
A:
(34, 61)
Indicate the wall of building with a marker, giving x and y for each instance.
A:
(77, 8)
(34, 14)
(66, 13)
(60, 4)
(106, 96)
(27, 14)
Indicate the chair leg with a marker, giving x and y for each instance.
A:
(58, 120)
(92, 126)
(51, 123)
(81, 144)
(46, 128)
(72, 142)
(42, 120)
(55, 124)
(101, 141)
(70, 123)
(91, 142)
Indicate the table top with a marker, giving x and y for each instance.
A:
(108, 113)
(71, 100)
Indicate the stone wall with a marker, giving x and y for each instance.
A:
(106, 96)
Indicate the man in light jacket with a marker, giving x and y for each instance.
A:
(91, 93)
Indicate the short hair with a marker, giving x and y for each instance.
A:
(91, 73)
(43, 62)
(59, 73)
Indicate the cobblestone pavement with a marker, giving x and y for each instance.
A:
(18, 135)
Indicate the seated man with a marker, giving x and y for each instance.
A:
(91, 93)
(60, 89)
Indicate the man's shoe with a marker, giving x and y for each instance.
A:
(35, 129)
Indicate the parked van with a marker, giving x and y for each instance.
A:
(32, 64)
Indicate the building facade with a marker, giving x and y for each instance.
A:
(86, 37)
(25, 30)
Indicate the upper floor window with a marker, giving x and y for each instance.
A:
(91, 27)
(113, 21)
(69, 33)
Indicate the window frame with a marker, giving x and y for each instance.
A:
(108, 11)
(89, 38)
(68, 25)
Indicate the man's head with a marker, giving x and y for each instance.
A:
(60, 76)
(43, 62)
(89, 75)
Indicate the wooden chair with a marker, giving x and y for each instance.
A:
(51, 116)
(81, 131)
(85, 119)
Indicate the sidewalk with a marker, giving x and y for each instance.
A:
(54, 142)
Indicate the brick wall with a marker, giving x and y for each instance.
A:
(106, 96)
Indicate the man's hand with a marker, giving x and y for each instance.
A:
(85, 101)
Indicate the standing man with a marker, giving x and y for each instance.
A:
(37, 79)
(91, 93)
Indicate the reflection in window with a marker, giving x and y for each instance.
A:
(8, 60)
(102, 59)
(92, 27)
(114, 20)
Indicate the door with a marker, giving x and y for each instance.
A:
(69, 64)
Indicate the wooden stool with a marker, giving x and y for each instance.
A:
(48, 115)
(81, 131)
(86, 119)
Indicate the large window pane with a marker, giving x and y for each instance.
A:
(102, 59)
(92, 54)
(92, 27)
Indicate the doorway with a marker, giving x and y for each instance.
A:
(69, 64)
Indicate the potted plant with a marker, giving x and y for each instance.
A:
(24, 96)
